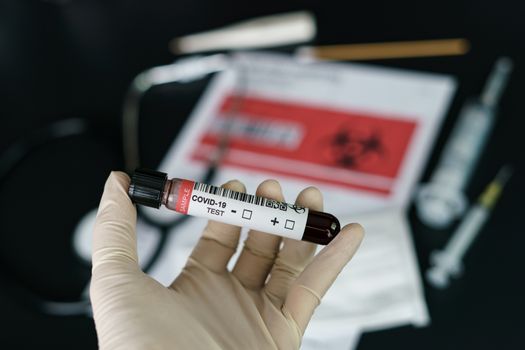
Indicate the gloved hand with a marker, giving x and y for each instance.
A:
(265, 302)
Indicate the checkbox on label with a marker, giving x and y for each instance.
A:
(247, 214)
(289, 224)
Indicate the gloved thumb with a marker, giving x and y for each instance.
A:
(114, 237)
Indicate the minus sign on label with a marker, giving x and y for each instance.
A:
(234, 211)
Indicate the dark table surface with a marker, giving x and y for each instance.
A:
(74, 59)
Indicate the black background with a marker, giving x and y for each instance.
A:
(65, 59)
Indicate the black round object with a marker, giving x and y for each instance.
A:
(55, 178)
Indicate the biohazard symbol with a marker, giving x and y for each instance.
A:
(352, 148)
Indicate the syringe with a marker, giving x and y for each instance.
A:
(447, 262)
(442, 200)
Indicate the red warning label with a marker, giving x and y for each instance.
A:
(346, 148)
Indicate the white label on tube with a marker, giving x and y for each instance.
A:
(241, 209)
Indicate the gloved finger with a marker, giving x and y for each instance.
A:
(260, 249)
(311, 285)
(294, 255)
(114, 237)
(219, 241)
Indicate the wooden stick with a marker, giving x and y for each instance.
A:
(387, 50)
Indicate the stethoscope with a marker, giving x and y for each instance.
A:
(182, 71)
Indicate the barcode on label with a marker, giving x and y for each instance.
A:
(243, 197)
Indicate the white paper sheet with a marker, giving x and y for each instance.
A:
(381, 287)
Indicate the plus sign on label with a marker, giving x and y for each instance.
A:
(274, 221)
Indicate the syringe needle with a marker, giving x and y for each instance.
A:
(496, 82)
(448, 262)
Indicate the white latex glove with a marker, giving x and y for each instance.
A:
(266, 302)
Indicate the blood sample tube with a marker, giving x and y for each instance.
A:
(153, 189)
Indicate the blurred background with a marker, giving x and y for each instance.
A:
(65, 69)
